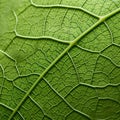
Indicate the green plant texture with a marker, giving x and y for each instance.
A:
(59, 59)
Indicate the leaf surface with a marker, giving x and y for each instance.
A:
(60, 60)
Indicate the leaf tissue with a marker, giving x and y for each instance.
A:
(60, 60)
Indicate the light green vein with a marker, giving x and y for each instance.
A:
(101, 20)
(6, 106)
(11, 58)
(6, 54)
(110, 60)
(42, 37)
(110, 14)
(92, 86)
(38, 80)
(111, 34)
(75, 68)
(66, 101)
(21, 116)
(3, 80)
(65, 6)
(36, 38)
(82, 48)
(45, 114)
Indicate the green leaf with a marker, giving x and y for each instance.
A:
(60, 60)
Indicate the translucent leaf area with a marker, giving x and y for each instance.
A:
(60, 60)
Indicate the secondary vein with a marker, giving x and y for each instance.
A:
(65, 6)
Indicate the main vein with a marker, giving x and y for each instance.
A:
(101, 20)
